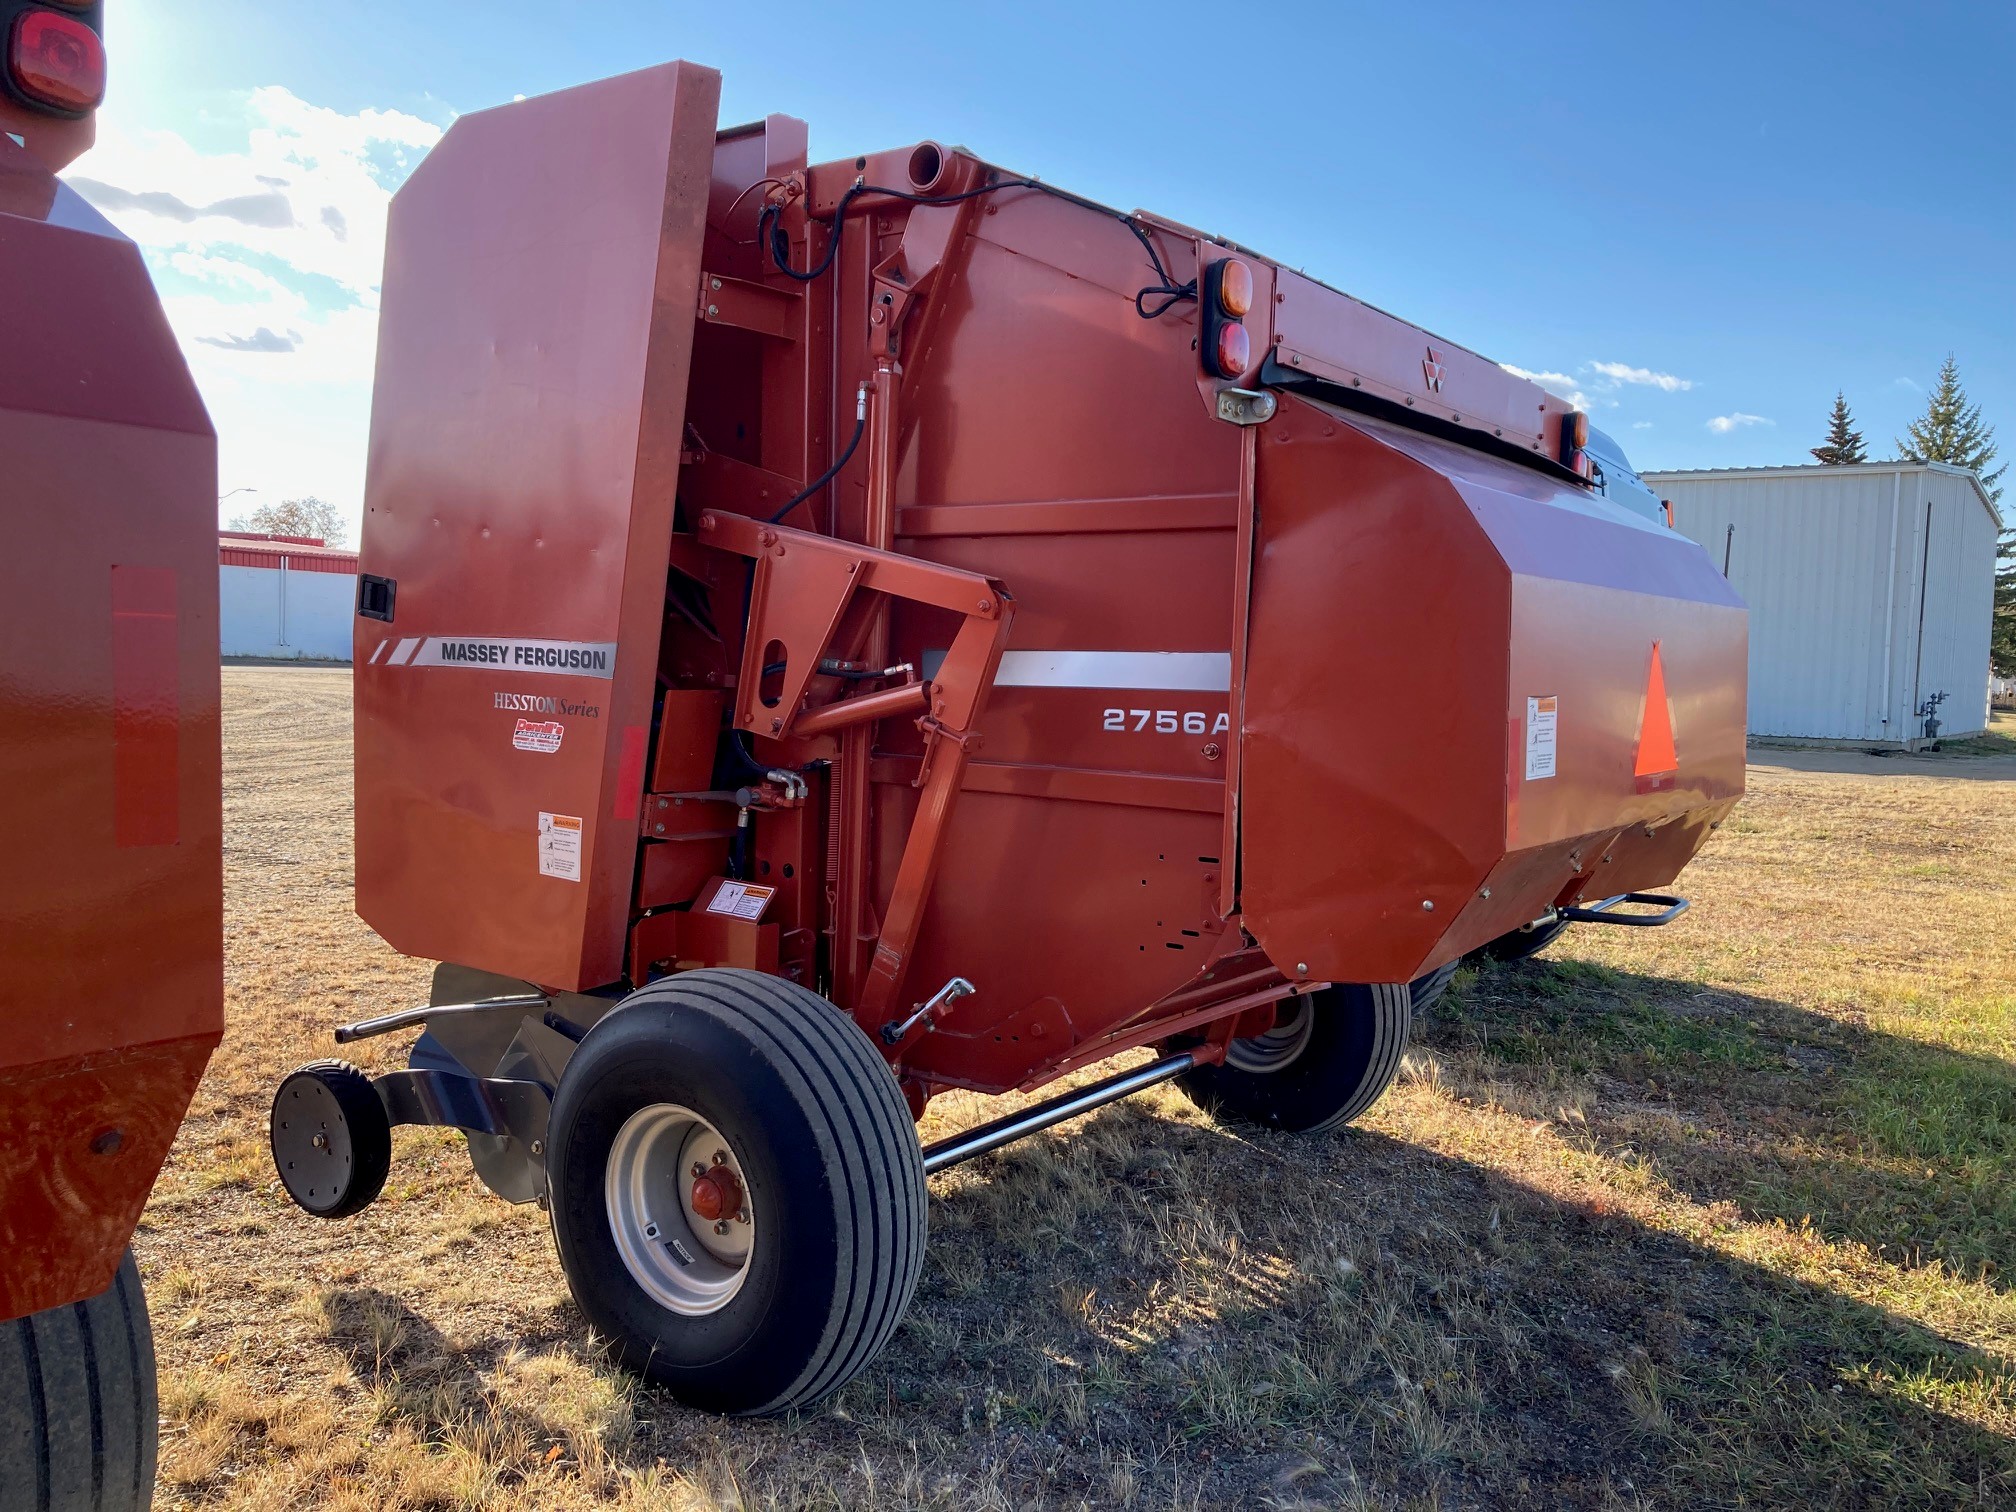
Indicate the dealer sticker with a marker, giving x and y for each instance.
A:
(541, 735)
(741, 900)
(560, 846)
(1542, 716)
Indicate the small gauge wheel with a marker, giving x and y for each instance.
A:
(332, 1143)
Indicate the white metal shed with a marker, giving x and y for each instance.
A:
(1870, 589)
(290, 597)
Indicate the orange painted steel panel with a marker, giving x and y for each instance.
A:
(1411, 599)
(535, 340)
(111, 905)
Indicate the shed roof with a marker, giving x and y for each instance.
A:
(1819, 470)
(236, 548)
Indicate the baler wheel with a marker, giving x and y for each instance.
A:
(332, 1139)
(1328, 1058)
(77, 1416)
(736, 1189)
(1521, 943)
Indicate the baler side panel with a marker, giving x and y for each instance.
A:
(1403, 801)
(542, 267)
(111, 902)
(1372, 773)
(1058, 442)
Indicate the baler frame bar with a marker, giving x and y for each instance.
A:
(823, 600)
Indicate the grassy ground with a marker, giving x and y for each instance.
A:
(1714, 1216)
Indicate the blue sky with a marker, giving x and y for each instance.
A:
(1705, 218)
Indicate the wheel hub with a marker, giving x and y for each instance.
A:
(717, 1195)
(679, 1209)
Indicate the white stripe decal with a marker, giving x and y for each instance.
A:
(1177, 671)
(379, 652)
(406, 648)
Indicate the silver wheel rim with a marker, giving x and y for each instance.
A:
(1280, 1046)
(684, 1262)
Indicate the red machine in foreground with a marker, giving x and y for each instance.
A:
(831, 634)
(111, 905)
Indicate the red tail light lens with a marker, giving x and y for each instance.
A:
(57, 61)
(1235, 350)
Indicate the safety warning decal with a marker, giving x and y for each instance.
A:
(541, 735)
(740, 900)
(1542, 716)
(560, 846)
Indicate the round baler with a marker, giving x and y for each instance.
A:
(831, 634)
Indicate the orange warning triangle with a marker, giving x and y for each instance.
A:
(1655, 736)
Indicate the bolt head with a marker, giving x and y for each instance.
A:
(1302, 968)
(1427, 905)
(699, 1169)
(320, 1141)
(538, 1147)
(721, 1227)
(720, 1157)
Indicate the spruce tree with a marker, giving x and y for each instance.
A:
(1843, 446)
(1950, 430)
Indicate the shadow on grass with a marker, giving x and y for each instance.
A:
(1155, 1310)
(1358, 1321)
(1905, 1147)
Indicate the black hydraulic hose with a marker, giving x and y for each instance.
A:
(771, 235)
(846, 455)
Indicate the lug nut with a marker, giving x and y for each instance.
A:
(720, 1157)
(721, 1227)
(699, 1169)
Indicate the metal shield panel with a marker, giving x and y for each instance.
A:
(1445, 690)
(535, 339)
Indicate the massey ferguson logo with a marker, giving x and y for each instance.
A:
(542, 736)
(1432, 370)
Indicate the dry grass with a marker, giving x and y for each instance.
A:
(1716, 1216)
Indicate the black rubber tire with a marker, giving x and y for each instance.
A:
(1521, 943)
(78, 1423)
(1426, 990)
(1356, 1039)
(834, 1177)
(360, 1152)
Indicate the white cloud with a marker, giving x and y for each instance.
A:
(1723, 424)
(1559, 384)
(1619, 372)
(1906, 383)
(269, 257)
(1641, 425)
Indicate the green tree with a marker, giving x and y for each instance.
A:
(1950, 430)
(1843, 446)
(297, 517)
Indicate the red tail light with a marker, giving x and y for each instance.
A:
(1574, 437)
(57, 61)
(1227, 294)
(1235, 350)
